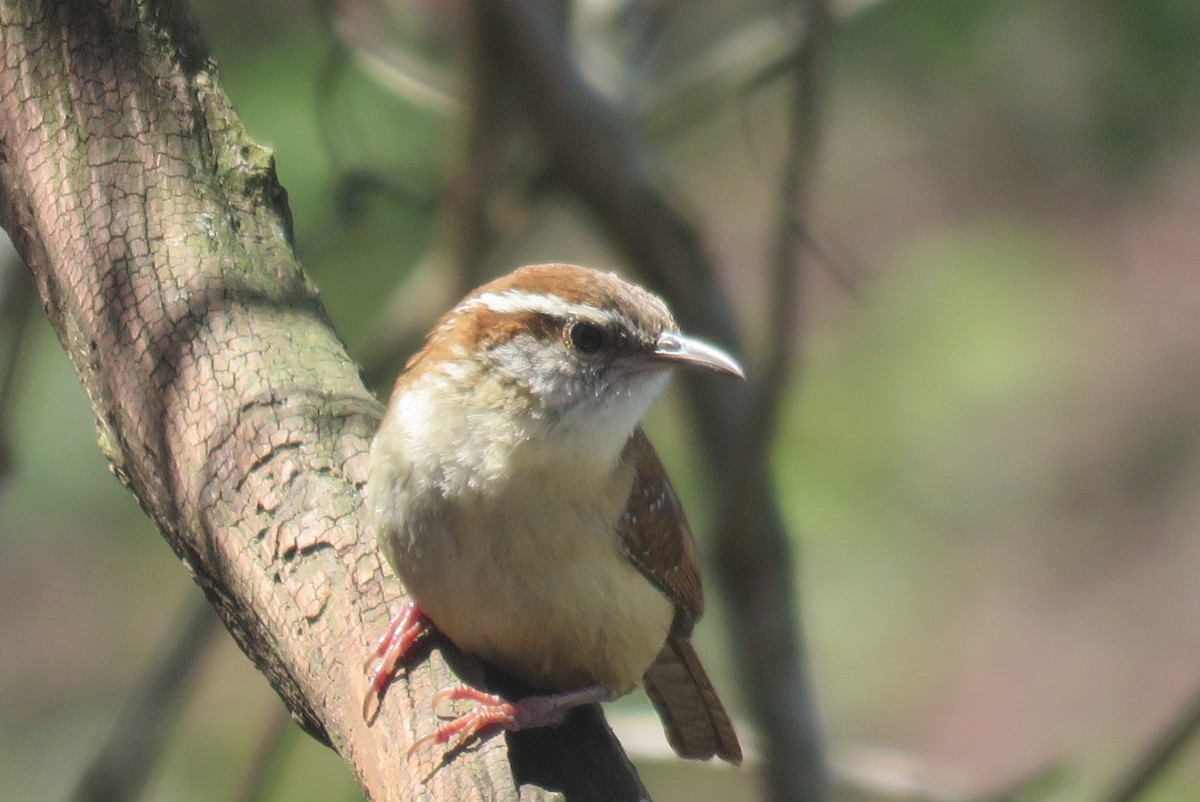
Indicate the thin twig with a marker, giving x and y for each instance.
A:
(785, 307)
(1150, 764)
(375, 34)
(672, 105)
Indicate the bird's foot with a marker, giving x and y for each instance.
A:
(405, 627)
(494, 712)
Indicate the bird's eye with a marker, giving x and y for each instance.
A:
(587, 338)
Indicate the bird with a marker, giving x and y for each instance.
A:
(518, 499)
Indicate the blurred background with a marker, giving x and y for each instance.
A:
(989, 446)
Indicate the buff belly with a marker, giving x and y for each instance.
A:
(537, 586)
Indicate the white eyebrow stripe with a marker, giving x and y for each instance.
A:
(515, 302)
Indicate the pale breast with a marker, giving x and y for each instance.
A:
(535, 582)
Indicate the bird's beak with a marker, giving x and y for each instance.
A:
(681, 351)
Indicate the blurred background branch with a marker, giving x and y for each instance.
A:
(18, 302)
(134, 746)
(753, 548)
(1148, 767)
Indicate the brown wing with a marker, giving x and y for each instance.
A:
(656, 537)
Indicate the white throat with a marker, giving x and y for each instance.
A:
(478, 442)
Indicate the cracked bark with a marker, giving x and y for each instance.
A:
(160, 242)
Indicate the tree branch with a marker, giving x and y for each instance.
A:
(160, 242)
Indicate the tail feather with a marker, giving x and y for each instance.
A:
(696, 723)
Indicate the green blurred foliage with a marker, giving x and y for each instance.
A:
(1120, 80)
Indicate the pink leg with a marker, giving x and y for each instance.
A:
(493, 711)
(406, 626)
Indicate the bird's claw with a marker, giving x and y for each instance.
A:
(491, 711)
(402, 632)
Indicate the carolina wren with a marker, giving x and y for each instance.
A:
(516, 496)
